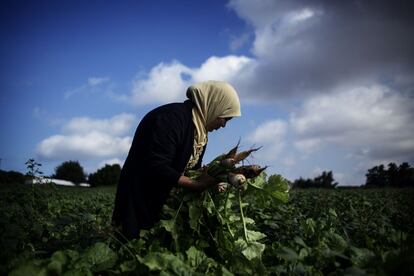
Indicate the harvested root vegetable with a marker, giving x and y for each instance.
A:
(221, 187)
(249, 171)
(236, 179)
(228, 163)
(223, 168)
(244, 154)
(233, 151)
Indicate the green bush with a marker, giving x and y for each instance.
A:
(71, 171)
(11, 177)
(108, 175)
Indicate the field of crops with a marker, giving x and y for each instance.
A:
(47, 230)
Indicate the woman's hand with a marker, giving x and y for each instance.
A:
(204, 181)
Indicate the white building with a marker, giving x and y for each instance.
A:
(60, 182)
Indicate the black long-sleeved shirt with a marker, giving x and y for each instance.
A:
(160, 150)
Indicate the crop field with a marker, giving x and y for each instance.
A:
(48, 230)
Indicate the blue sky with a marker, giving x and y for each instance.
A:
(323, 86)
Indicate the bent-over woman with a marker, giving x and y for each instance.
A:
(169, 140)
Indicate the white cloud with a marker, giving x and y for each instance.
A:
(93, 84)
(111, 162)
(352, 129)
(94, 144)
(303, 47)
(308, 146)
(117, 125)
(164, 83)
(168, 82)
(270, 135)
(95, 81)
(300, 15)
(289, 161)
(86, 138)
(331, 59)
(220, 68)
(372, 121)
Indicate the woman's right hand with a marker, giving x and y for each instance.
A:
(204, 181)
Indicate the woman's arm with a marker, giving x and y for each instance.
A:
(203, 182)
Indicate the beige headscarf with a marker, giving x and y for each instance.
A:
(211, 99)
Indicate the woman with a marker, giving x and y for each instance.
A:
(169, 140)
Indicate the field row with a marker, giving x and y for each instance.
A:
(317, 232)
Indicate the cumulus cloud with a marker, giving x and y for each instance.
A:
(167, 82)
(164, 83)
(115, 126)
(94, 144)
(348, 67)
(352, 129)
(300, 48)
(372, 121)
(86, 138)
(308, 145)
(270, 135)
(304, 47)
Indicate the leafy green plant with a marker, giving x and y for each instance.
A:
(262, 229)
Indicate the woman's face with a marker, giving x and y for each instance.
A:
(217, 123)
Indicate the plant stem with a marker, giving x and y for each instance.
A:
(225, 202)
(223, 221)
(177, 246)
(178, 210)
(242, 217)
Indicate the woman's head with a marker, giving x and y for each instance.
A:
(216, 102)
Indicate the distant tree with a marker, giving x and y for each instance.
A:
(301, 183)
(325, 180)
(394, 176)
(108, 175)
(376, 176)
(71, 171)
(11, 177)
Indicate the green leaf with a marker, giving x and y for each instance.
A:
(195, 214)
(258, 182)
(28, 269)
(287, 254)
(299, 241)
(128, 266)
(98, 257)
(336, 242)
(248, 220)
(250, 250)
(278, 188)
(234, 218)
(166, 262)
(254, 235)
(361, 256)
(57, 262)
(208, 204)
(195, 256)
(308, 226)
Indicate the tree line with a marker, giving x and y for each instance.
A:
(379, 176)
(393, 176)
(68, 170)
(73, 171)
